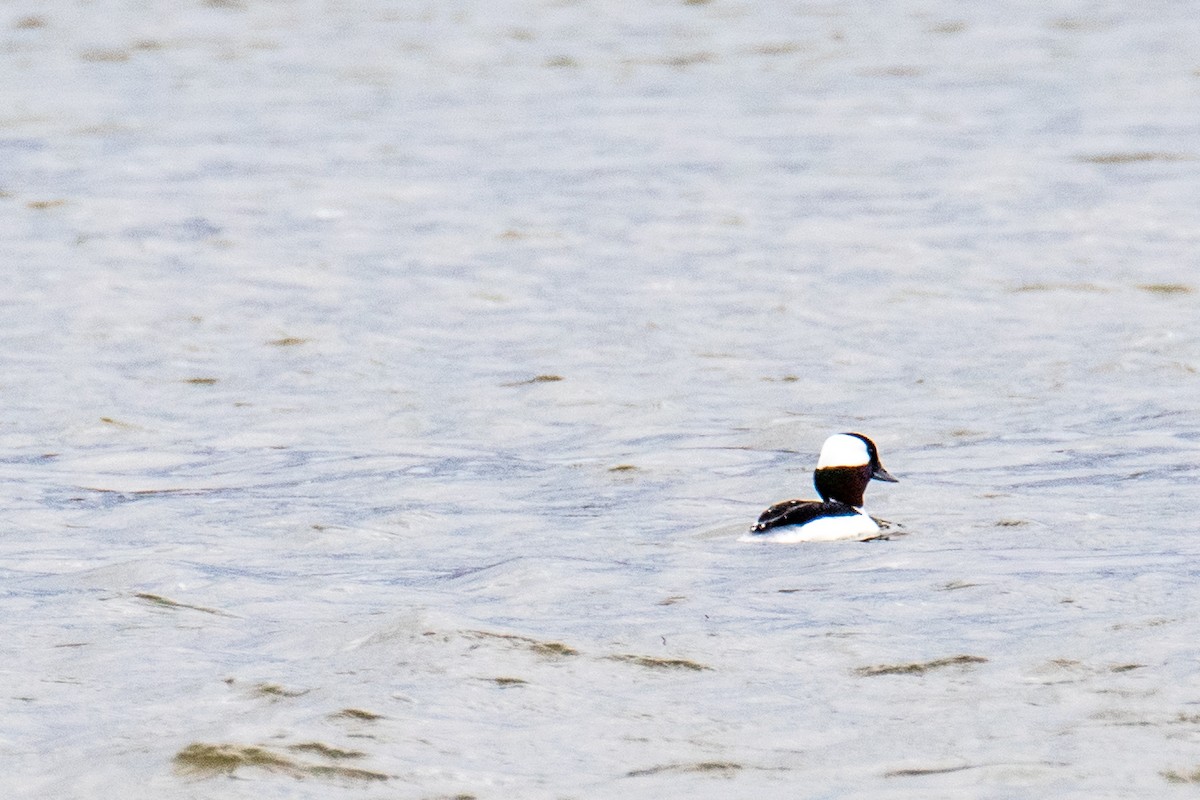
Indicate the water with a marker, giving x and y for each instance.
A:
(387, 384)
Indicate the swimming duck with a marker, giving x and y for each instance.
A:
(848, 462)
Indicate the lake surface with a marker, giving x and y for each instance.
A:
(386, 386)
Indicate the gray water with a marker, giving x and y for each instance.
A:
(386, 385)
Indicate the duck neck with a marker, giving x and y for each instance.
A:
(843, 484)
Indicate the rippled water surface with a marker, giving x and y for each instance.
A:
(386, 386)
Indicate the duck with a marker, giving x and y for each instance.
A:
(848, 462)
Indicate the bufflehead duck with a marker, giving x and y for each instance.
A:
(847, 463)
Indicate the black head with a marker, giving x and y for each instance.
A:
(848, 462)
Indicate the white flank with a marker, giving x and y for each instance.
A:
(822, 529)
(841, 450)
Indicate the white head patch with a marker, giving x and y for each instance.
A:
(841, 450)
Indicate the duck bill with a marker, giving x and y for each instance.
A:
(881, 474)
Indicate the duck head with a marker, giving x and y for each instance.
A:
(848, 462)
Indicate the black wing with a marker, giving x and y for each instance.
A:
(798, 512)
